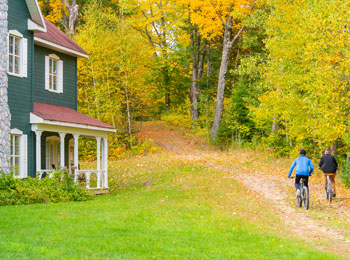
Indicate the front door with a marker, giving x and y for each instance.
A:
(52, 152)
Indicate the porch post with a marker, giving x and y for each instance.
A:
(105, 161)
(62, 135)
(98, 139)
(38, 150)
(76, 157)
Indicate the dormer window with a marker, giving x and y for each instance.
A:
(17, 58)
(53, 74)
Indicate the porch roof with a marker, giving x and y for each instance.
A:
(67, 115)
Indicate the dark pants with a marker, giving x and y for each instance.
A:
(297, 181)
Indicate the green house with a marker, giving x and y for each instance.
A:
(42, 96)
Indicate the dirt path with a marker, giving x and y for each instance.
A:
(260, 176)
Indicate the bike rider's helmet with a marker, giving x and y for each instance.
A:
(302, 152)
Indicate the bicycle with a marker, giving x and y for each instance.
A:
(329, 189)
(303, 198)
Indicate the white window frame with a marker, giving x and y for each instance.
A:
(21, 154)
(49, 75)
(23, 54)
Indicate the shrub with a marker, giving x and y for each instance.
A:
(59, 188)
(345, 174)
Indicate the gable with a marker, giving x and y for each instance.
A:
(36, 23)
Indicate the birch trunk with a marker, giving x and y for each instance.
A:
(227, 45)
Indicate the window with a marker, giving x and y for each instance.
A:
(18, 154)
(53, 74)
(15, 156)
(14, 55)
(17, 58)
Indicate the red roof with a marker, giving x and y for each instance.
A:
(55, 35)
(65, 114)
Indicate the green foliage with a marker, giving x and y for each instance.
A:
(345, 174)
(27, 191)
(179, 116)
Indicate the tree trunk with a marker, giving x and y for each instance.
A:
(227, 45)
(70, 22)
(5, 116)
(198, 54)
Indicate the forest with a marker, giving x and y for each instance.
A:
(262, 73)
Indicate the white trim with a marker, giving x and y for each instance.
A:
(54, 56)
(23, 156)
(59, 48)
(16, 33)
(16, 131)
(34, 27)
(47, 64)
(24, 61)
(62, 157)
(35, 12)
(34, 119)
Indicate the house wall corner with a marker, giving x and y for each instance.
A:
(5, 116)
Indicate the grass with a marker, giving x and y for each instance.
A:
(178, 211)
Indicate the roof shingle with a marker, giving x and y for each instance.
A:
(65, 114)
(55, 35)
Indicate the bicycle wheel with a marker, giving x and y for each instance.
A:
(306, 198)
(329, 190)
(299, 201)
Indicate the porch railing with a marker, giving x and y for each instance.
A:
(45, 173)
(101, 178)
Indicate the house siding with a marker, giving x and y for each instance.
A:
(69, 96)
(20, 89)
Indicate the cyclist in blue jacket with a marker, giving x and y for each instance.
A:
(303, 171)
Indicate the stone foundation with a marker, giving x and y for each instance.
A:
(5, 116)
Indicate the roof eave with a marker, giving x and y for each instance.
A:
(54, 46)
(34, 27)
(35, 13)
(35, 119)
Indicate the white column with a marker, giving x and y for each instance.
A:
(62, 136)
(105, 161)
(38, 150)
(98, 139)
(76, 157)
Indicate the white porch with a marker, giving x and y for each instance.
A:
(60, 142)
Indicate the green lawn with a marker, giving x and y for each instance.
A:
(186, 212)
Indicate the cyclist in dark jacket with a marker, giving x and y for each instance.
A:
(303, 171)
(329, 166)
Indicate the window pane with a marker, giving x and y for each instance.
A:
(54, 66)
(16, 65)
(50, 82)
(16, 168)
(54, 82)
(50, 67)
(17, 50)
(11, 44)
(16, 145)
(10, 63)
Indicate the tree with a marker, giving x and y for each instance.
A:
(160, 22)
(112, 82)
(221, 18)
(307, 73)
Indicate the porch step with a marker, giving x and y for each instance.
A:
(100, 191)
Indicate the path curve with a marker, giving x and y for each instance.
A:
(192, 149)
